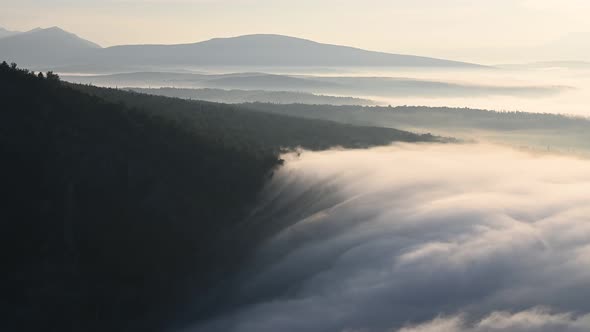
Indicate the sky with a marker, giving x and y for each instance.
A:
(483, 31)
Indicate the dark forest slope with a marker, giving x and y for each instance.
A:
(119, 208)
(109, 211)
(247, 96)
(261, 130)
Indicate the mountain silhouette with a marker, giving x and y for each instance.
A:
(7, 33)
(45, 47)
(54, 47)
(266, 50)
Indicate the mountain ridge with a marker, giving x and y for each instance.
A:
(46, 47)
(7, 33)
(273, 49)
(54, 46)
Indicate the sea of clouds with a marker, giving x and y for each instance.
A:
(420, 238)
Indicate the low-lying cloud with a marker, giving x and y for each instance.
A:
(408, 238)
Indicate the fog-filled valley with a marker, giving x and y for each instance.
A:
(537, 108)
(533, 90)
(446, 237)
(265, 182)
(496, 105)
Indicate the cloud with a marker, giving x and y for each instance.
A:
(419, 238)
(534, 320)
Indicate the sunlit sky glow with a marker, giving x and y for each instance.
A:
(471, 30)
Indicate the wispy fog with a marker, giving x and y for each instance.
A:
(551, 87)
(562, 88)
(572, 98)
(453, 238)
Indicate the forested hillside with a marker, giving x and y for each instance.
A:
(120, 208)
(237, 125)
(110, 210)
(246, 96)
(422, 116)
(537, 131)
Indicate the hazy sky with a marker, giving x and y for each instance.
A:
(486, 31)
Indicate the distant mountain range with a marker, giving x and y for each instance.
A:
(55, 47)
(7, 33)
(355, 86)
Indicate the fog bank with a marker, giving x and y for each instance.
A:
(420, 238)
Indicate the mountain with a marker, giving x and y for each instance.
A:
(49, 46)
(7, 33)
(266, 50)
(55, 47)
(128, 212)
